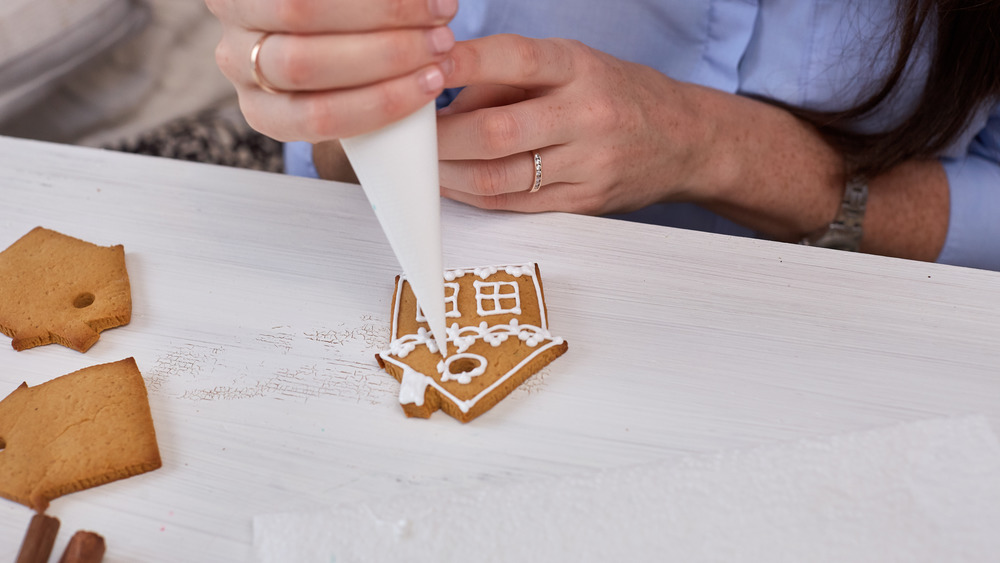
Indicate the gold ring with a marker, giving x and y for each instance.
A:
(538, 174)
(258, 77)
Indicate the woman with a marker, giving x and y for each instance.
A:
(786, 119)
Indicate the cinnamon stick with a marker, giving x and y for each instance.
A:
(84, 547)
(38, 541)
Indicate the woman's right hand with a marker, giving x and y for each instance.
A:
(340, 67)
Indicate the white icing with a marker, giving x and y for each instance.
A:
(518, 271)
(464, 337)
(403, 346)
(450, 304)
(413, 387)
(487, 271)
(497, 297)
(444, 368)
(463, 406)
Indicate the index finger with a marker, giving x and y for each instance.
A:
(513, 60)
(335, 16)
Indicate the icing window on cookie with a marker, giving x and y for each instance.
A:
(450, 303)
(497, 298)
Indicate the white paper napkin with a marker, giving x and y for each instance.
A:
(925, 491)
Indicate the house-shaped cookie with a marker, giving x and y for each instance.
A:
(497, 337)
(56, 288)
(81, 430)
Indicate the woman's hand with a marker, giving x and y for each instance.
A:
(341, 67)
(613, 136)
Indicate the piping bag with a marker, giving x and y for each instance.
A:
(397, 166)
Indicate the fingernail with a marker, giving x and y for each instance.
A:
(441, 40)
(443, 9)
(432, 80)
(447, 66)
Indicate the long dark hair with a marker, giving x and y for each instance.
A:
(963, 76)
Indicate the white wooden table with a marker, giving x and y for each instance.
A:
(260, 300)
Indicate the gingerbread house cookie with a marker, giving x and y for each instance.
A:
(77, 431)
(56, 288)
(498, 337)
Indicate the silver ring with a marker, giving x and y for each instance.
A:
(258, 77)
(538, 174)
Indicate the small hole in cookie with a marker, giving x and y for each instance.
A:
(84, 300)
(463, 365)
(2, 444)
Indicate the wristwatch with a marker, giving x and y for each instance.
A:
(844, 233)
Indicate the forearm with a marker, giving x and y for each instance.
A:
(774, 173)
(764, 168)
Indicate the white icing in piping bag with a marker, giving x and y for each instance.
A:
(398, 169)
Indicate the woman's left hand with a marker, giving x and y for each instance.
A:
(613, 136)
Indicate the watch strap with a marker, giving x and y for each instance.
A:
(845, 232)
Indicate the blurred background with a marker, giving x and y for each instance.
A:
(130, 75)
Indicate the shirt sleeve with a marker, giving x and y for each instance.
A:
(973, 238)
(299, 159)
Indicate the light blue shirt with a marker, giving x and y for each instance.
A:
(819, 54)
